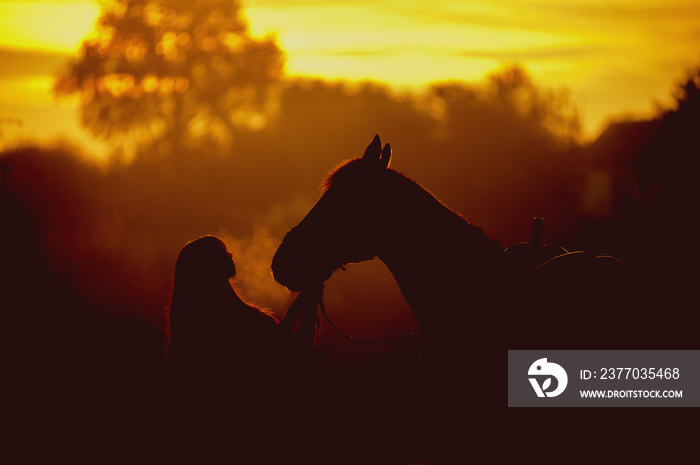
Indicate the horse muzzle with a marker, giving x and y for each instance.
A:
(298, 272)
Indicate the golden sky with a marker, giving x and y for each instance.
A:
(615, 56)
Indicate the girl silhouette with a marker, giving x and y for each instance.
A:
(217, 341)
(231, 361)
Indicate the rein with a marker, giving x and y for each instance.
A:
(354, 339)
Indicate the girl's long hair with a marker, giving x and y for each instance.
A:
(201, 276)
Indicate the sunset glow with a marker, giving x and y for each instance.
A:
(614, 59)
(46, 25)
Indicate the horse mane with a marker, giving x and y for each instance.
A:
(354, 168)
(341, 171)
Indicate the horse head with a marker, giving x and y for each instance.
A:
(343, 227)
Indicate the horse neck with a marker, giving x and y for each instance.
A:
(439, 260)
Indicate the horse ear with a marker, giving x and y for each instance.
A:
(385, 157)
(374, 149)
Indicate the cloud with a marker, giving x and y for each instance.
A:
(539, 53)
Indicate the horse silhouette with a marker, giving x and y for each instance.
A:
(471, 298)
(461, 285)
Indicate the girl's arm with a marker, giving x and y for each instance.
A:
(304, 307)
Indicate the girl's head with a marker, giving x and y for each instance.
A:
(204, 260)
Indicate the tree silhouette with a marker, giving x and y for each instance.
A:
(172, 72)
(510, 99)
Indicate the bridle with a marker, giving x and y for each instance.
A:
(322, 306)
